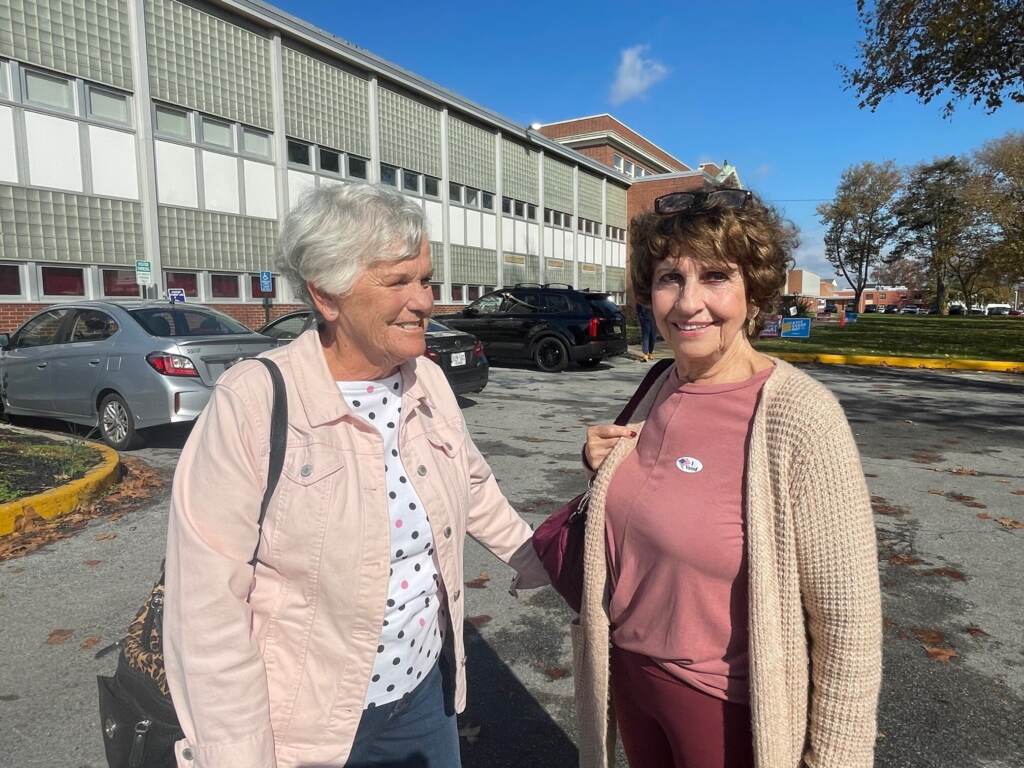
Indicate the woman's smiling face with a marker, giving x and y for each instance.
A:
(700, 309)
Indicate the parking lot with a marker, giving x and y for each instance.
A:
(944, 455)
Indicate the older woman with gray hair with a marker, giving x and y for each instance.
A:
(341, 645)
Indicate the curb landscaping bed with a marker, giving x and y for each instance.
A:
(30, 464)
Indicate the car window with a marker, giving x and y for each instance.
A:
(287, 328)
(604, 306)
(435, 327)
(558, 303)
(42, 330)
(488, 305)
(175, 321)
(522, 303)
(92, 325)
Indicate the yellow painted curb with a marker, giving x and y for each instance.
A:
(935, 363)
(59, 501)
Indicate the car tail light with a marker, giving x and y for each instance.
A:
(432, 355)
(478, 350)
(592, 328)
(172, 365)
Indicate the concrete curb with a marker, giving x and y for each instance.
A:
(59, 501)
(934, 363)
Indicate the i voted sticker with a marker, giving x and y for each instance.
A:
(689, 464)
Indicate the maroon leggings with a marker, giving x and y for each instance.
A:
(666, 723)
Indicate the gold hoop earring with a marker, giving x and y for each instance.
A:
(752, 324)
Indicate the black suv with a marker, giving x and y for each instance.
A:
(549, 324)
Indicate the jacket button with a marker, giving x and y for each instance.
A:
(447, 531)
(186, 753)
(457, 595)
(306, 470)
(421, 471)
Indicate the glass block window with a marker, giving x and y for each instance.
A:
(49, 91)
(225, 286)
(10, 280)
(63, 281)
(119, 283)
(557, 184)
(256, 143)
(616, 204)
(5, 91)
(221, 242)
(254, 287)
(216, 133)
(87, 39)
(519, 171)
(107, 105)
(186, 281)
(591, 203)
(471, 158)
(172, 122)
(410, 133)
(473, 266)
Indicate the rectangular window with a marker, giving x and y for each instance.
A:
(628, 168)
(431, 186)
(506, 205)
(256, 142)
(454, 192)
(472, 197)
(410, 181)
(298, 153)
(520, 208)
(435, 289)
(547, 215)
(63, 281)
(456, 293)
(330, 161)
(216, 133)
(531, 211)
(254, 284)
(49, 91)
(120, 282)
(617, 162)
(389, 175)
(474, 293)
(187, 281)
(4, 90)
(357, 168)
(10, 280)
(224, 286)
(487, 201)
(172, 122)
(107, 105)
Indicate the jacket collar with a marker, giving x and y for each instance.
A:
(317, 389)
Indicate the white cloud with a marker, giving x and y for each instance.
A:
(635, 75)
(810, 254)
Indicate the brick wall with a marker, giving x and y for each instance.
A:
(251, 315)
(608, 123)
(13, 315)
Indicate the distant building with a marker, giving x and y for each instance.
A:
(883, 296)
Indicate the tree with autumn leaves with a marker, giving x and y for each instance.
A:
(956, 221)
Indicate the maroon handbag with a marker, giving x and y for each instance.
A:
(558, 541)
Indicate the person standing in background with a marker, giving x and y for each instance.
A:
(648, 331)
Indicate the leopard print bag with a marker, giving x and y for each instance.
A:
(137, 715)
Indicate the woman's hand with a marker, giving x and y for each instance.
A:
(601, 438)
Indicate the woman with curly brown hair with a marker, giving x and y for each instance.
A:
(730, 552)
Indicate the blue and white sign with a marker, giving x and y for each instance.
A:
(266, 282)
(176, 295)
(796, 328)
(851, 317)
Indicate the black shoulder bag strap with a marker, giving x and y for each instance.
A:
(278, 443)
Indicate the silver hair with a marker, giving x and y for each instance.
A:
(335, 232)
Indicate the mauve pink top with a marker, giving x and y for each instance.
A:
(675, 526)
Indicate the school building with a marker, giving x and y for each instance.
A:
(174, 136)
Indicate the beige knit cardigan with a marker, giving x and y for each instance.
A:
(814, 603)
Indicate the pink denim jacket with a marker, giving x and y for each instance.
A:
(279, 679)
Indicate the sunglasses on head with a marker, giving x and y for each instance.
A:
(681, 202)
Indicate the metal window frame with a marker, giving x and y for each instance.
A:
(23, 281)
(87, 110)
(201, 120)
(397, 170)
(72, 83)
(311, 166)
(338, 174)
(61, 299)
(243, 130)
(101, 290)
(348, 168)
(240, 298)
(163, 134)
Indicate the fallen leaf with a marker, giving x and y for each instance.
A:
(552, 673)
(929, 636)
(90, 641)
(1018, 492)
(984, 516)
(963, 471)
(92, 562)
(1009, 522)
(900, 559)
(58, 636)
(925, 457)
(936, 492)
(940, 654)
(479, 621)
(479, 582)
(974, 631)
(868, 474)
(106, 536)
(949, 573)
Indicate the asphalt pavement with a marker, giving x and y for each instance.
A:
(944, 455)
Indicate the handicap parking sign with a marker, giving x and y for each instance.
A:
(266, 282)
(176, 295)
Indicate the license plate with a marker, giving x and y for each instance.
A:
(458, 358)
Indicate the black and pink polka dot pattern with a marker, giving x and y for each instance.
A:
(413, 631)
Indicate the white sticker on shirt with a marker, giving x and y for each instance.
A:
(689, 465)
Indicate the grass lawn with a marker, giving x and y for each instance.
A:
(976, 338)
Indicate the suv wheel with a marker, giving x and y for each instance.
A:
(551, 355)
(117, 424)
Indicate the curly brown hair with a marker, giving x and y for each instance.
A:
(756, 238)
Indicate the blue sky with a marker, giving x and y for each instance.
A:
(753, 83)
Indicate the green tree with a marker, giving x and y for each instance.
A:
(1000, 167)
(859, 222)
(970, 49)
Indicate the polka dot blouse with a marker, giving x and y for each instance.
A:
(413, 631)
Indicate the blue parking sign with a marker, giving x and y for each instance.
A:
(796, 328)
(266, 282)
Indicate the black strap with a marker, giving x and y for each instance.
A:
(652, 375)
(278, 443)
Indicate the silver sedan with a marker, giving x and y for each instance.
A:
(120, 366)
